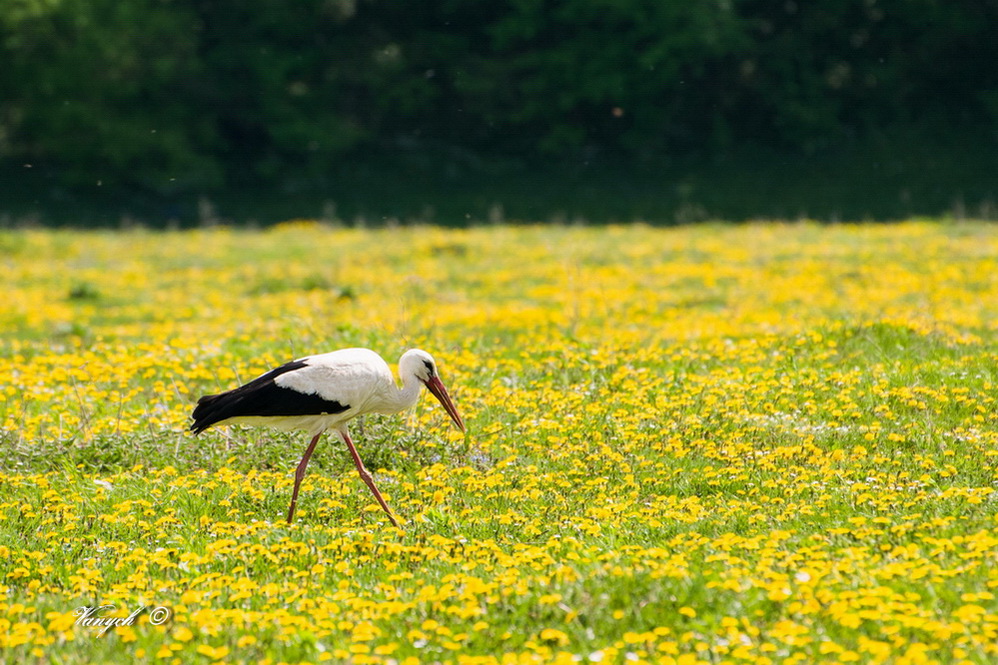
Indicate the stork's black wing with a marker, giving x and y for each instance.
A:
(262, 397)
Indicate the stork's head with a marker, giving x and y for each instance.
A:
(421, 365)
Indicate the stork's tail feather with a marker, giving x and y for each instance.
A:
(210, 410)
(262, 397)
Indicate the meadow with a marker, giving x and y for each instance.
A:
(766, 443)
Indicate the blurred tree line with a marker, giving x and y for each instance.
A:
(189, 95)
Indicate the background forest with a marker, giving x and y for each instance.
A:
(469, 109)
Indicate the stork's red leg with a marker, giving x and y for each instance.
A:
(366, 476)
(300, 473)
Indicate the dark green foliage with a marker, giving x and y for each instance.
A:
(188, 96)
(100, 89)
(83, 291)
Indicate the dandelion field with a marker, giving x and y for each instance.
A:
(770, 443)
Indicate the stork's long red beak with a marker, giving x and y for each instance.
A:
(436, 387)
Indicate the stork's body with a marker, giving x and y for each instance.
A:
(326, 391)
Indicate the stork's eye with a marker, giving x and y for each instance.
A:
(429, 367)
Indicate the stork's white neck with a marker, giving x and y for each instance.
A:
(405, 397)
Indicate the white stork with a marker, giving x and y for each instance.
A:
(326, 391)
